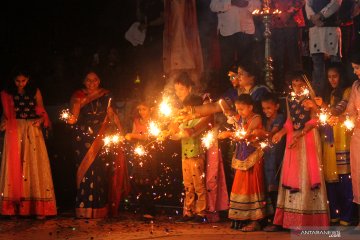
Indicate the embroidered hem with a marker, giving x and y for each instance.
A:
(249, 162)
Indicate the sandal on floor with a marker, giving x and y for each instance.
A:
(236, 224)
(272, 228)
(251, 227)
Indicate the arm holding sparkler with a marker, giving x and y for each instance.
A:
(136, 136)
(192, 128)
(278, 135)
(72, 116)
(191, 112)
(351, 117)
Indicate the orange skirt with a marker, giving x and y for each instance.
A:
(247, 199)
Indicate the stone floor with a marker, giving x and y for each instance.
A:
(124, 227)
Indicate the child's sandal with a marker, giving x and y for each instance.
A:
(251, 227)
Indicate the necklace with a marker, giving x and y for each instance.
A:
(94, 110)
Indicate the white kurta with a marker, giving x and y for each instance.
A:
(324, 39)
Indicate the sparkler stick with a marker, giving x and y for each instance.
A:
(109, 103)
(312, 92)
(232, 118)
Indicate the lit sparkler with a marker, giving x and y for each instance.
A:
(65, 115)
(349, 124)
(140, 150)
(323, 117)
(154, 129)
(165, 108)
(263, 145)
(208, 139)
(240, 133)
(110, 140)
(304, 93)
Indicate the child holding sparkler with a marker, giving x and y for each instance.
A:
(247, 199)
(336, 149)
(302, 197)
(143, 171)
(193, 156)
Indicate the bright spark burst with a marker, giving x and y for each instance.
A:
(110, 140)
(154, 129)
(263, 145)
(304, 93)
(65, 115)
(240, 133)
(208, 139)
(165, 108)
(349, 124)
(140, 150)
(323, 117)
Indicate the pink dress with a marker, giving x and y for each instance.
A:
(353, 110)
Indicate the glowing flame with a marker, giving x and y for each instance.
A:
(323, 117)
(165, 108)
(111, 140)
(65, 114)
(305, 92)
(240, 133)
(107, 140)
(115, 139)
(208, 139)
(154, 129)
(349, 124)
(140, 150)
(263, 145)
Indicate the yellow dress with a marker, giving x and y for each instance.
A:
(336, 154)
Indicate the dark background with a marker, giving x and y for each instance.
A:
(56, 40)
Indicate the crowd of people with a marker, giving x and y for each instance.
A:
(293, 183)
(290, 183)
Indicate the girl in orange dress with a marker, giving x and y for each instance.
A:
(247, 199)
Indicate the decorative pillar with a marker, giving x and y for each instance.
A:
(267, 13)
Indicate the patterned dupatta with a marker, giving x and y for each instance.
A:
(291, 166)
(12, 143)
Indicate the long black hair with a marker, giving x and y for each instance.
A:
(339, 90)
(11, 88)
